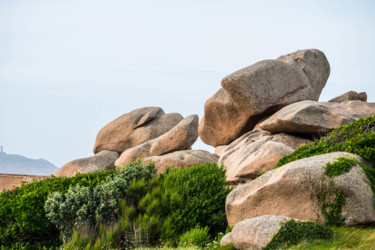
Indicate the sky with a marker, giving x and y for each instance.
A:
(68, 68)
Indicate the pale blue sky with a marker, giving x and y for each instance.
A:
(67, 68)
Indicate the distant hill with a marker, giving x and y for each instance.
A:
(18, 164)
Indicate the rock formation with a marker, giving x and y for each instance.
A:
(135, 128)
(261, 89)
(257, 232)
(180, 137)
(223, 120)
(350, 96)
(182, 159)
(310, 117)
(292, 190)
(102, 160)
(256, 152)
(262, 113)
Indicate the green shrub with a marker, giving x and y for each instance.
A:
(291, 232)
(146, 209)
(357, 137)
(168, 205)
(81, 206)
(195, 237)
(204, 191)
(22, 217)
(340, 166)
(72, 210)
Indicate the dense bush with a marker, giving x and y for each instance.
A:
(167, 206)
(103, 205)
(195, 237)
(144, 218)
(22, 217)
(357, 137)
(292, 232)
(204, 191)
(82, 207)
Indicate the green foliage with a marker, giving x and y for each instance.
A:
(343, 238)
(102, 206)
(81, 206)
(195, 237)
(340, 166)
(72, 210)
(292, 232)
(332, 201)
(370, 174)
(332, 210)
(146, 209)
(167, 205)
(22, 217)
(357, 137)
(204, 191)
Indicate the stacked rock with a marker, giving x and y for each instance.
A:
(264, 126)
(146, 133)
(267, 110)
(262, 113)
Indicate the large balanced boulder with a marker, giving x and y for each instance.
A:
(181, 137)
(350, 96)
(102, 160)
(261, 89)
(292, 191)
(312, 117)
(257, 232)
(255, 153)
(182, 159)
(135, 128)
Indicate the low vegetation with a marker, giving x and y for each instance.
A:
(98, 210)
(341, 166)
(23, 222)
(188, 202)
(292, 232)
(133, 206)
(195, 237)
(343, 238)
(357, 138)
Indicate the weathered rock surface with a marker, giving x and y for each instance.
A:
(261, 89)
(292, 189)
(182, 159)
(102, 160)
(181, 137)
(219, 150)
(270, 84)
(223, 121)
(350, 96)
(312, 117)
(256, 152)
(257, 232)
(135, 128)
(226, 240)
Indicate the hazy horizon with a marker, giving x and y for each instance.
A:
(68, 68)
